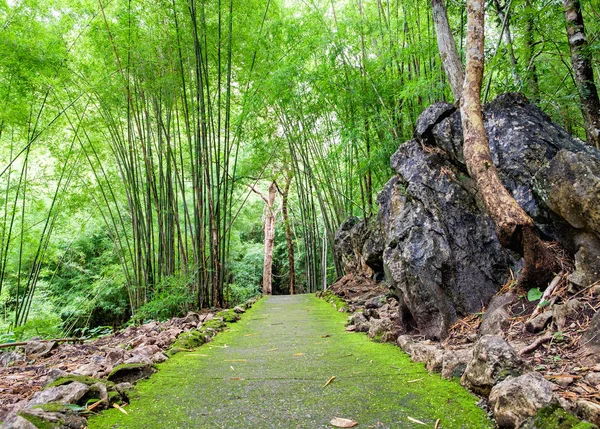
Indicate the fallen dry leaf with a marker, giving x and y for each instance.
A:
(416, 421)
(272, 350)
(329, 381)
(236, 378)
(414, 381)
(437, 424)
(118, 407)
(299, 354)
(338, 422)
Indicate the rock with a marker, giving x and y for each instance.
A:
(375, 302)
(571, 183)
(441, 256)
(539, 322)
(63, 394)
(372, 251)
(11, 358)
(587, 410)
(440, 251)
(99, 391)
(115, 356)
(555, 417)
(159, 357)
(239, 309)
(54, 419)
(17, 422)
(493, 361)
(147, 350)
(383, 330)
(191, 318)
(560, 313)
(138, 359)
(361, 322)
(593, 379)
(515, 399)
(343, 245)
(591, 340)
(130, 372)
(90, 369)
(53, 374)
(495, 323)
(455, 362)
(430, 117)
(587, 267)
(39, 348)
(405, 342)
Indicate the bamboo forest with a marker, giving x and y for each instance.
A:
(165, 162)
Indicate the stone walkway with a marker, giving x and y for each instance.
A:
(270, 369)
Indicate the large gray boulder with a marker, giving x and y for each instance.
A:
(493, 361)
(516, 399)
(441, 254)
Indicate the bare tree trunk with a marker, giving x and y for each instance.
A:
(584, 74)
(447, 47)
(514, 227)
(288, 235)
(269, 239)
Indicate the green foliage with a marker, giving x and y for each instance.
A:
(534, 294)
(171, 298)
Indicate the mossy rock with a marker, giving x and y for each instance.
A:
(554, 417)
(89, 381)
(214, 324)
(333, 299)
(228, 316)
(45, 419)
(53, 407)
(131, 372)
(190, 340)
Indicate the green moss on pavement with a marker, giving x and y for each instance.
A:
(270, 370)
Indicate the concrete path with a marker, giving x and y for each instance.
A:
(270, 369)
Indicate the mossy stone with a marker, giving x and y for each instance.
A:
(215, 324)
(130, 372)
(228, 316)
(554, 417)
(89, 381)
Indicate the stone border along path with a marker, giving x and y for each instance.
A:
(270, 369)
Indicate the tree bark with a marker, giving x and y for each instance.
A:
(503, 12)
(288, 235)
(514, 227)
(447, 47)
(582, 67)
(269, 239)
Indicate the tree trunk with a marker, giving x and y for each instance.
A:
(447, 47)
(530, 69)
(288, 235)
(269, 239)
(584, 74)
(514, 227)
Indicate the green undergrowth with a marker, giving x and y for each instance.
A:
(270, 369)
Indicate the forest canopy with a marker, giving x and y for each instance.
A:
(144, 145)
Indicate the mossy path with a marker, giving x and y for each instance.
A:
(270, 369)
